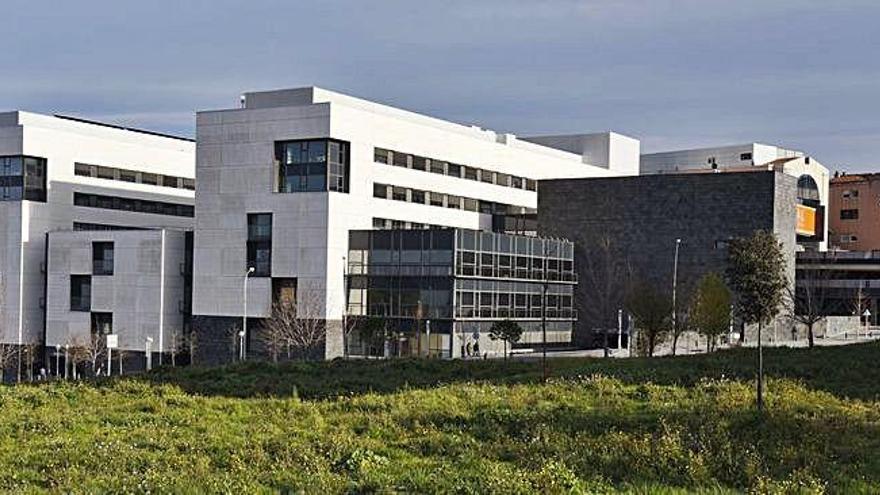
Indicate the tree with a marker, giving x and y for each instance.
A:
(373, 331)
(605, 287)
(807, 302)
(683, 323)
(710, 308)
(507, 331)
(756, 272)
(8, 353)
(652, 312)
(297, 324)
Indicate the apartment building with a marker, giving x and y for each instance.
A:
(812, 176)
(61, 173)
(854, 212)
(286, 178)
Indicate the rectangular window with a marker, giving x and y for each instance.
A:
(314, 165)
(80, 293)
(151, 179)
(470, 173)
(487, 176)
(398, 193)
(169, 181)
(102, 323)
(259, 243)
(106, 173)
(419, 163)
(851, 214)
(436, 199)
(531, 185)
(381, 156)
(380, 191)
(22, 177)
(745, 156)
(83, 169)
(189, 184)
(128, 175)
(471, 204)
(453, 202)
(516, 182)
(102, 258)
(438, 167)
(418, 196)
(453, 170)
(400, 159)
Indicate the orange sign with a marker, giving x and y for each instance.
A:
(806, 220)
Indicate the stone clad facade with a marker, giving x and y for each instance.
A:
(643, 216)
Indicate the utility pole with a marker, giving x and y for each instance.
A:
(675, 287)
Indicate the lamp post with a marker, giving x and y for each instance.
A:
(619, 329)
(66, 360)
(58, 360)
(241, 345)
(243, 333)
(675, 286)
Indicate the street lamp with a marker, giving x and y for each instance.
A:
(241, 345)
(244, 315)
(675, 286)
(58, 360)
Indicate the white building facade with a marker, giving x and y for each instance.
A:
(813, 177)
(285, 178)
(129, 283)
(63, 174)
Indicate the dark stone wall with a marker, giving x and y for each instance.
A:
(643, 215)
(217, 341)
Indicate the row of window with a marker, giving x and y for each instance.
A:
(134, 205)
(384, 191)
(415, 162)
(125, 175)
(86, 226)
(388, 224)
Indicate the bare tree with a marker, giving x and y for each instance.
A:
(807, 302)
(79, 353)
(97, 349)
(8, 354)
(295, 324)
(605, 286)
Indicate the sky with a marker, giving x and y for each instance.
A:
(673, 73)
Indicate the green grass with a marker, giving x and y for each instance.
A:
(668, 425)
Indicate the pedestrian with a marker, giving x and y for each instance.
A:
(462, 349)
(477, 347)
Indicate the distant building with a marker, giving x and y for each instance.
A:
(66, 174)
(812, 177)
(286, 178)
(854, 212)
(641, 218)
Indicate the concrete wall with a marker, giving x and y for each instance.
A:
(143, 294)
(643, 216)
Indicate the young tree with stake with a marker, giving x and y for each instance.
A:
(506, 331)
(756, 272)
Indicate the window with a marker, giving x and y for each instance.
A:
(312, 165)
(102, 258)
(381, 156)
(487, 176)
(398, 193)
(847, 238)
(470, 173)
(453, 202)
(436, 199)
(418, 196)
(189, 184)
(380, 191)
(83, 169)
(419, 163)
(400, 159)
(453, 170)
(152, 179)
(133, 205)
(531, 185)
(80, 293)
(102, 323)
(850, 214)
(851, 193)
(128, 176)
(745, 156)
(106, 173)
(438, 167)
(169, 181)
(259, 243)
(22, 177)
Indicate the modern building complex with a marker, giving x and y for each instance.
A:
(642, 224)
(854, 212)
(442, 289)
(812, 178)
(286, 178)
(841, 283)
(62, 173)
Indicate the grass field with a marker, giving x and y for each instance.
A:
(667, 425)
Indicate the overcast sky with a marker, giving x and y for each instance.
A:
(675, 74)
